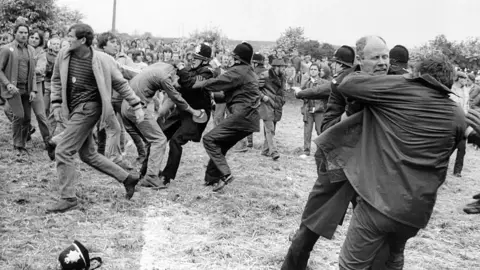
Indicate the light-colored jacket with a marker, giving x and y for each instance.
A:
(41, 65)
(461, 97)
(107, 76)
(9, 68)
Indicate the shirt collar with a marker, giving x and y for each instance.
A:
(16, 44)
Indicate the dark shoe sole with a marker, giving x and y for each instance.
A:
(154, 186)
(53, 211)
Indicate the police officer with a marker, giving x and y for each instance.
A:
(179, 127)
(343, 60)
(398, 60)
(240, 86)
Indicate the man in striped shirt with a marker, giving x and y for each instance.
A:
(82, 84)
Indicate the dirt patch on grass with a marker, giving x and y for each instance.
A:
(246, 226)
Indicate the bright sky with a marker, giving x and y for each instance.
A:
(406, 22)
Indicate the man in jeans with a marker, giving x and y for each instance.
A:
(82, 84)
(18, 84)
(109, 137)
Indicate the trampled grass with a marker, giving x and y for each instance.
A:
(247, 226)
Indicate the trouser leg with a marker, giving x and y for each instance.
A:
(21, 117)
(461, 150)
(78, 137)
(217, 142)
(38, 107)
(307, 132)
(299, 251)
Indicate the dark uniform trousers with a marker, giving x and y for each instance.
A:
(219, 140)
(178, 134)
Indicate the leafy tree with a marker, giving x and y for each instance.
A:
(214, 36)
(43, 14)
(464, 54)
(291, 39)
(315, 49)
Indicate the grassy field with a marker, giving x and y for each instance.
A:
(247, 226)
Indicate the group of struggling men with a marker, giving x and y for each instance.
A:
(385, 145)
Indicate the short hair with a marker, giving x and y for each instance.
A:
(167, 49)
(471, 77)
(438, 66)
(316, 65)
(40, 35)
(362, 42)
(83, 30)
(18, 25)
(103, 38)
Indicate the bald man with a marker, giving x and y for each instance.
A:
(400, 158)
(330, 196)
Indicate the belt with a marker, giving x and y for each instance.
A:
(23, 86)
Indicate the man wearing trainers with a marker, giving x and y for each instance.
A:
(82, 84)
(240, 86)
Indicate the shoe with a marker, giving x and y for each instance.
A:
(155, 181)
(472, 208)
(129, 184)
(265, 154)
(166, 181)
(62, 206)
(50, 147)
(275, 156)
(240, 150)
(476, 196)
(125, 165)
(457, 174)
(250, 145)
(225, 180)
(30, 133)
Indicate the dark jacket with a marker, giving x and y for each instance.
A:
(314, 105)
(337, 104)
(197, 99)
(240, 87)
(9, 68)
(274, 89)
(409, 129)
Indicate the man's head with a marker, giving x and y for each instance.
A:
(278, 66)
(202, 55)
(307, 58)
(80, 35)
(461, 78)
(167, 53)
(243, 53)
(438, 66)
(343, 59)
(373, 55)
(470, 79)
(314, 70)
(477, 80)
(399, 56)
(55, 44)
(21, 33)
(108, 42)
